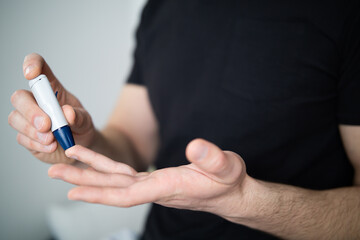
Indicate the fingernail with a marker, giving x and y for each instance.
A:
(28, 69)
(42, 136)
(38, 122)
(200, 152)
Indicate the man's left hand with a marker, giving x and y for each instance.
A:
(213, 181)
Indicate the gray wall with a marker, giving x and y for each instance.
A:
(88, 45)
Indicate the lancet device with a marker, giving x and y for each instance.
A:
(47, 101)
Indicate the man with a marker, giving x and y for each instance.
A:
(276, 82)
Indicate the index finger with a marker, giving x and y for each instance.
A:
(98, 161)
(25, 104)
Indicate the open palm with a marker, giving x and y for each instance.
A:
(200, 185)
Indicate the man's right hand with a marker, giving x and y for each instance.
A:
(33, 124)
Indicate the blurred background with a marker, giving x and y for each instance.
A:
(88, 44)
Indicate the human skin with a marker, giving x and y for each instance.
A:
(214, 181)
(34, 126)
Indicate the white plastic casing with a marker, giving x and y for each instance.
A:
(46, 99)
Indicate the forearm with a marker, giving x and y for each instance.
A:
(296, 213)
(114, 144)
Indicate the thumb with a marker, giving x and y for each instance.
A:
(78, 118)
(222, 166)
(34, 65)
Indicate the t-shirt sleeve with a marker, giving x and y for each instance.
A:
(349, 83)
(135, 73)
(135, 76)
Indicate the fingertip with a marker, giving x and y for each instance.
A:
(70, 195)
(32, 66)
(69, 151)
(73, 194)
(41, 122)
(45, 138)
(32, 70)
(197, 149)
(207, 156)
(50, 171)
(189, 148)
(72, 152)
(69, 113)
(53, 170)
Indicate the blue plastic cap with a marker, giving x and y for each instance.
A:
(64, 136)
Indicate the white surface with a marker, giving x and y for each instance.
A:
(88, 44)
(77, 221)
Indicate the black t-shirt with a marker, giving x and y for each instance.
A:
(269, 80)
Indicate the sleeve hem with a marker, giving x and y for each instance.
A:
(349, 120)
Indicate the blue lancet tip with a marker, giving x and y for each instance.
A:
(64, 136)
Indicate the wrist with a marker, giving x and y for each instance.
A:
(251, 202)
(237, 205)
